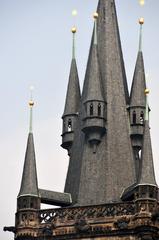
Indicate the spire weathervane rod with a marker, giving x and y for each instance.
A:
(95, 16)
(31, 104)
(141, 22)
(73, 30)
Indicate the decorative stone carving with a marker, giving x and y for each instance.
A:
(73, 214)
(122, 223)
(82, 225)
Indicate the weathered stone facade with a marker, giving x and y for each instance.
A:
(118, 221)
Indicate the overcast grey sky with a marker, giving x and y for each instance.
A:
(35, 49)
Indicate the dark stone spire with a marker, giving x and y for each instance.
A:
(72, 103)
(147, 175)
(110, 51)
(101, 177)
(137, 104)
(28, 196)
(29, 184)
(94, 104)
(93, 75)
(73, 91)
(145, 187)
(137, 97)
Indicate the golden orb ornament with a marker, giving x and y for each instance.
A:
(31, 103)
(147, 91)
(74, 30)
(141, 21)
(95, 15)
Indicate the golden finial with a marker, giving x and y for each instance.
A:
(73, 29)
(141, 21)
(147, 91)
(95, 15)
(31, 103)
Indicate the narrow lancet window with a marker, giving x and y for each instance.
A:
(69, 125)
(99, 109)
(91, 109)
(134, 117)
(142, 118)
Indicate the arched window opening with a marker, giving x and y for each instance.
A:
(69, 125)
(24, 203)
(99, 109)
(142, 118)
(134, 117)
(91, 109)
(139, 154)
(104, 15)
(31, 205)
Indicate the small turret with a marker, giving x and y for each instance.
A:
(28, 200)
(146, 186)
(73, 99)
(94, 119)
(137, 103)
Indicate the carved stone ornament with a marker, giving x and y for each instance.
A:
(81, 225)
(47, 231)
(122, 223)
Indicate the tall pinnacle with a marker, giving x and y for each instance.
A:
(93, 75)
(110, 51)
(147, 175)
(73, 90)
(29, 183)
(137, 97)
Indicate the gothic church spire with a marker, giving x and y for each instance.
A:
(29, 183)
(72, 103)
(147, 175)
(104, 172)
(137, 104)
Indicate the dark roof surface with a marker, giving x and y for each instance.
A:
(93, 77)
(147, 175)
(73, 91)
(137, 97)
(101, 177)
(29, 184)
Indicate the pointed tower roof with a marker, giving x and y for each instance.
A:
(73, 95)
(93, 75)
(104, 175)
(137, 97)
(147, 175)
(29, 183)
(110, 51)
